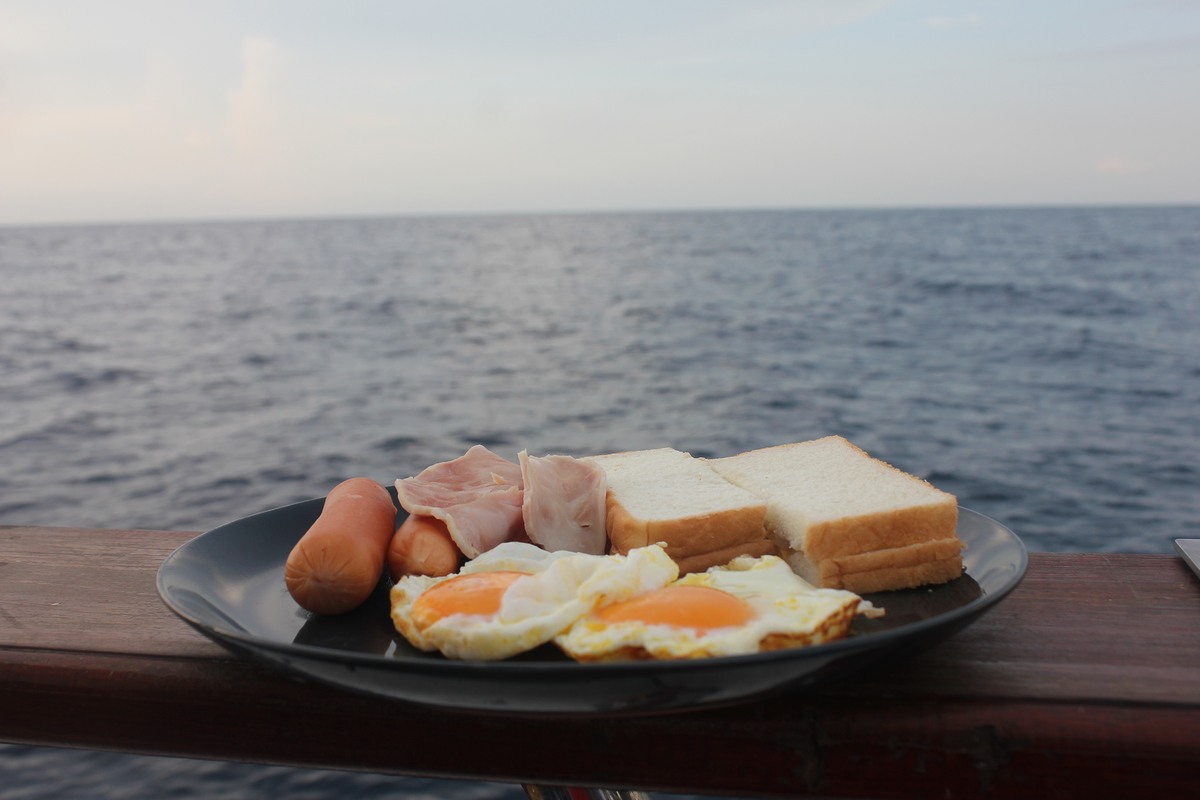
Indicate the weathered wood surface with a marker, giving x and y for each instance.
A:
(1085, 682)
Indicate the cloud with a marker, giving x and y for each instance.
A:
(20, 37)
(793, 17)
(253, 119)
(160, 143)
(768, 102)
(1117, 166)
(949, 23)
(1144, 48)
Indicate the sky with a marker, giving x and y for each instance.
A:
(141, 111)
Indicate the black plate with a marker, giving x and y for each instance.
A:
(228, 584)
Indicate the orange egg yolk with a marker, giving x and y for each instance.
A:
(477, 593)
(682, 607)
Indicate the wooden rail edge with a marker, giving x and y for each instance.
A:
(1085, 682)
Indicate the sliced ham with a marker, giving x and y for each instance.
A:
(563, 506)
(478, 495)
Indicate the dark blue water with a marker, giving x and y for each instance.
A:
(1042, 364)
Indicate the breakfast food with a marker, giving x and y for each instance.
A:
(422, 546)
(668, 496)
(563, 504)
(339, 560)
(517, 596)
(477, 495)
(495, 557)
(846, 520)
(748, 606)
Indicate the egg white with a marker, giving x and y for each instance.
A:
(787, 612)
(560, 588)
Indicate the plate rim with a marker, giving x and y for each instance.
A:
(468, 669)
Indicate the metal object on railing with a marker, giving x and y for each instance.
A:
(1189, 551)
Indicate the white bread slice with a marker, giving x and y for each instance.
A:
(897, 577)
(837, 512)
(935, 561)
(670, 497)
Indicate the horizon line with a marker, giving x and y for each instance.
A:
(585, 212)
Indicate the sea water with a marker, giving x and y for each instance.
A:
(1043, 364)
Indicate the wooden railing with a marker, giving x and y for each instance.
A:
(1085, 682)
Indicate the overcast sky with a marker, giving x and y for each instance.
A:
(151, 110)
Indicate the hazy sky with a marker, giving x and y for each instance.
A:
(114, 110)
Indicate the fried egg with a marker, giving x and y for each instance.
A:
(747, 606)
(517, 596)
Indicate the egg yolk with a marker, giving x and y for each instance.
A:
(477, 593)
(681, 607)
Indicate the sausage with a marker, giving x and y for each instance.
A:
(338, 562)
(422, 546)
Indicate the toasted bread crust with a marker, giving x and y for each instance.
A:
(697, 539)
(668, 497)
(625, 531)
(907, 577)
(907, 537)
(846, 513)
(892, 558)
(892, 568)
(887, 529)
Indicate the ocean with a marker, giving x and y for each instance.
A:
(1043, 364)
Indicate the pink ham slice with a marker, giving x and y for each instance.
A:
(563, 507)
(478, 495)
